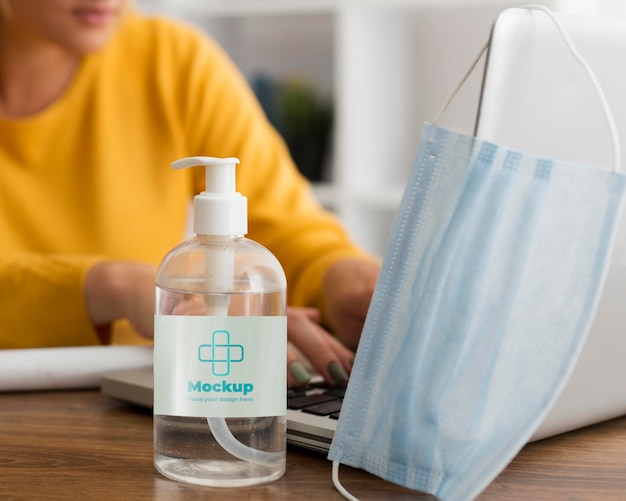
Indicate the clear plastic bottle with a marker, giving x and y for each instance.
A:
(220, 347)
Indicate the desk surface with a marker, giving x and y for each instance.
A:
(84, 445)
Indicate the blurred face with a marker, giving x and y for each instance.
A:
(78, 26)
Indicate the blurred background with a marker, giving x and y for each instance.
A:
(349, 83)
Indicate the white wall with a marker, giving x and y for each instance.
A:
(592, 7)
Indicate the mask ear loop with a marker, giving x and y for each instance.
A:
(617, 154)
(607, 112)
(342, 490)
(464, 78)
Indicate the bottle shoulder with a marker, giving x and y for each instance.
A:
(222, 263)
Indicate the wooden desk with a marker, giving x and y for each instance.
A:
(84, 445)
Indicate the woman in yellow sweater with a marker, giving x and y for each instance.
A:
(95, 101)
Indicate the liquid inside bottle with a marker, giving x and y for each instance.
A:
(186, 449)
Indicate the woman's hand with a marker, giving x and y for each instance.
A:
(121, 289)
(347, 288)
(331, 359)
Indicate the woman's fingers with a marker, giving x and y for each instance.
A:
(326, 354)
(297, 372)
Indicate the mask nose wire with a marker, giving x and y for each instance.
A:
(617, 153)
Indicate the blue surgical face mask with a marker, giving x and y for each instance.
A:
(487, 291)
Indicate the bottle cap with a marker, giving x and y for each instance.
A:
(219, 210)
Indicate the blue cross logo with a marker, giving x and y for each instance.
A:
(219, 353)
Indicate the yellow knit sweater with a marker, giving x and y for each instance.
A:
(89, 178)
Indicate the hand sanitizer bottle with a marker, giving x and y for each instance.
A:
(220, 346)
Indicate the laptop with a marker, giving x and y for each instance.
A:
(537, 98)
(555, 115)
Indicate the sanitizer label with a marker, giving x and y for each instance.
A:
(220, 366)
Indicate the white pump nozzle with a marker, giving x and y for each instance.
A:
(219, 210)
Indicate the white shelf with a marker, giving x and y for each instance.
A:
(291, 7)
(239, 7)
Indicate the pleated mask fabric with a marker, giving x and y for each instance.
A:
(489, 285)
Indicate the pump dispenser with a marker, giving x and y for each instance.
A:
(219, 210)
(220, 346)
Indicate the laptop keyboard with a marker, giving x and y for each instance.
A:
(321, 400)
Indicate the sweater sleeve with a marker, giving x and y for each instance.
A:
(49, 286)
(222, 118)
